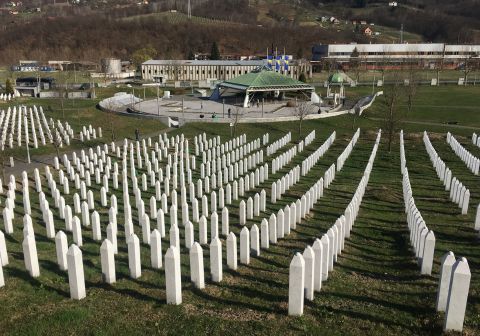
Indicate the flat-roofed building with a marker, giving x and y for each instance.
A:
(377, 55)
(201, 70)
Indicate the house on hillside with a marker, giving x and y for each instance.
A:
(334, 20)
(368, 31)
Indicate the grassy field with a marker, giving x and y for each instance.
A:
(375, 288)
(178, 17)
(373, 76)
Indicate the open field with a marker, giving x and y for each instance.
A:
(372, 76)
(178, 17)
(374, 289)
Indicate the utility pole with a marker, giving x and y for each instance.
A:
(189, 10)
(401, 33)
(158, 103)
(373, 84)
(183, 110)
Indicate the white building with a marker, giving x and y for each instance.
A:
(424, 54)
(204, 70)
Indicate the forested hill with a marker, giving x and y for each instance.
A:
(91, 29)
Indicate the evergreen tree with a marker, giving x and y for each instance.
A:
(9, 87)
(214, 53)
(190, 55)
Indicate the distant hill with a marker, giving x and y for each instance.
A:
(94, 29)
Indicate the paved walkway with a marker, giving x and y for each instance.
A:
(195, 109)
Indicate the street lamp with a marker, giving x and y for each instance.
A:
(158, 102)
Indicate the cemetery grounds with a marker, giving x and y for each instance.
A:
(375, 287)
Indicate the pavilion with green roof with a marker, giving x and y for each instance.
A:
(260, 80)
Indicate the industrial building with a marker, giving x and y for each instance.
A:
(424, 55)
(114, 68)
(161, 71)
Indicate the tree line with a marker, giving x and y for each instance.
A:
(89, 38)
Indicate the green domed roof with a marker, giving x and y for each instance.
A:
(335, 78)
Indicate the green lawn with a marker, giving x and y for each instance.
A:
(375, 288)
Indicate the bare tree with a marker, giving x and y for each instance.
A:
(413, 81)
(467, 68)
(237, 115)
(63, 90)
(392, 115)
(439, 68)
(302, 109)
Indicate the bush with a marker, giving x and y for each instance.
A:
(9, 87)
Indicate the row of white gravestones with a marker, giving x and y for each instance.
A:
(45, 209)
(421, 238)
(459, 194)
(476, 139)
(313, 158)
(228, 159)
(278, 225)
(283, 159)
(284, 183)
(346, 152)
(452, 293)
(308, 270)
(477, 219)
(281, 185)
(306, 202)
(472, 162)
(29, 124)
(265, 139)
(212, 161)
(37, 175)
(403, 159)
(275, 146)
(235, 146)
(239, 143)
(8, 96)
(134, 268)
(33, 125)
(248, 163)
(89, 132)
(225, 174)
(310, 138)
(203, 143)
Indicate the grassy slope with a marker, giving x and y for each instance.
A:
(375, 288)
